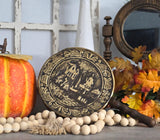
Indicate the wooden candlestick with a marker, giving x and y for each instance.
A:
(107, 33)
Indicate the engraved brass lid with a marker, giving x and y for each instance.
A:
(75, 82)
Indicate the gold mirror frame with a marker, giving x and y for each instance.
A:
(119, 21)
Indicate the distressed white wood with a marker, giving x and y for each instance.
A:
(95, 24)
(6, 25)
(55, 35)
(17, 41)
(55, 27)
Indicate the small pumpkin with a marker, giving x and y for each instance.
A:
(17, 85)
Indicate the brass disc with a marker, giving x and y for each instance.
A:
(75, 82)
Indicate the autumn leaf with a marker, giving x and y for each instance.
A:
(125, 99)
(149, 80)
(153, 61)
(138, 53)
(120, 64)
(123, 79)
(133, 101)
(150, 108)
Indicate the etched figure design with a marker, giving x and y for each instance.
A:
(87, 85)
(72, 72)
(78, 79)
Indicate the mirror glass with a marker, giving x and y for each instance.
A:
(142, 27)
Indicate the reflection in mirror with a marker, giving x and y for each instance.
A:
(142, 27)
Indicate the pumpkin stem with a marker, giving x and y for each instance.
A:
(3, 47)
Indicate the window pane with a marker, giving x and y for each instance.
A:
(69, 11)
(38, 45)
(5, 33)
(6, 10)
(67, 39)
(36, 11)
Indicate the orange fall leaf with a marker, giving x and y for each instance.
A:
(150, 109)
(149, 80)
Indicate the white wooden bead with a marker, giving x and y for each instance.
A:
(85, 130)
(7, 128)
(68, 127)
(41, 121)
(1, 129)
(25, 119)
(124, 122)
(110, 122)
(10, 120)
(100, 122)
(30, 124)
(15, 127)
(3, 120)
(72, 122)
(74, 118)
(66, 123)
(117, 118)
(103, 111)
(94, 117)
(132, 122)
(66, 119)
(110, 112)
(38, 115)
(52, 114)
(24, 126)
(45, 114)
(158, 120)
(93, 129)
(60, 120)
(79, 121)
(18, 119)
(100, 125)
(101, 116)
(107, 118)
(86, 120)
(75, 129)
(32, 118)
(35, 122)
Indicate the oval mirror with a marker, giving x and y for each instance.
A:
(137, 23)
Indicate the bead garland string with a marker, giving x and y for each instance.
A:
(77, 125)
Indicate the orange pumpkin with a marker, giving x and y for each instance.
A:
(17, 83)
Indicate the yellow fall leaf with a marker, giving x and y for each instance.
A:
(153, 61)
(134, 101)
(138, 53)
(120, 64)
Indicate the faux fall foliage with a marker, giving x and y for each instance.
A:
(138, 83)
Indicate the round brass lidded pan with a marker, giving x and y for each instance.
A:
(75, 82)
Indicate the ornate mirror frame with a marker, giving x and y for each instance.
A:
(118, 25)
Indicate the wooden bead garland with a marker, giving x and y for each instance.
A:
(16, 127)
(77, 125)
(75, 129)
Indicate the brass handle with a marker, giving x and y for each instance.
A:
(133, 113)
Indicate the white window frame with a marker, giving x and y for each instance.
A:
(55, 27)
